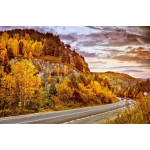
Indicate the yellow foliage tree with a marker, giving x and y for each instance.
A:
(15, 47)
(58, 70)
(96, 87)
(30, 57)
(65, 70)
(25, 54)
(26, 82)
(102, 84)
(7, 91)
(49, 77)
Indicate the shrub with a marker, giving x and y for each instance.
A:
(64, 92)
(4, 113)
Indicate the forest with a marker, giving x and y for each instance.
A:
(136, 91)
(21, 87)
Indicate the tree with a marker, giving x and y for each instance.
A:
(67, 46)
(49, 77)
(73, 83)
(52, 90)
(30, 57)
(63, 59)
(58, 70)
(10, 54)
(68, 59)
(64, 92)
(57, 52)
(65, 70)
(27, 83)
(102, 84)
(21, 47)
(25, 55)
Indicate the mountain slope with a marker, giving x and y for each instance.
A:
(119, 81)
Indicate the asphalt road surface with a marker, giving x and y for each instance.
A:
(62, 116)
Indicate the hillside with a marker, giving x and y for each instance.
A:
(28, 42)
(119, 81)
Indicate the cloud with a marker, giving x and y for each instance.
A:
(94, 28)
(128, 67)
(87, 54)
(68, 37)
(97, 62)
(129, 71)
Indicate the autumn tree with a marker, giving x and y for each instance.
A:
(58, 70)
(64, 92)
(25, 54)
(27, 84)
(49, 77)
(30, 57)
(65, 70)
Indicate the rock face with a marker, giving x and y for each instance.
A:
(45, 67)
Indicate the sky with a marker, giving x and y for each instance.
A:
(123, 49)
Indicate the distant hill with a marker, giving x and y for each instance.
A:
(119, 81)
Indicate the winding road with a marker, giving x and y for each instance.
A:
(63, 116)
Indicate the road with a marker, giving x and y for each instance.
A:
(63, 116)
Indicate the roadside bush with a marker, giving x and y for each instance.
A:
(64, 92)
(5, 113)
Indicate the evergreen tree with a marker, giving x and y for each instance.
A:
(52, 90)
(73, 83)
(68, 59)
(63, 59)
(57, 53)
(21, 48)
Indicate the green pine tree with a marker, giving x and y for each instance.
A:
(63, 59)
(52, 90)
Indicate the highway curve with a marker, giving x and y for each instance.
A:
(62, 116)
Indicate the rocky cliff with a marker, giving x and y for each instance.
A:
(44, 68)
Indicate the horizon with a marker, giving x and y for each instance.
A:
(105, 48)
